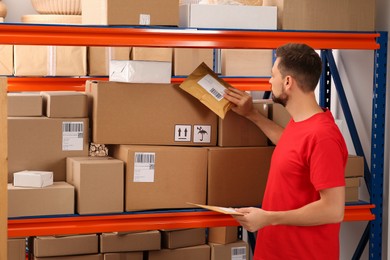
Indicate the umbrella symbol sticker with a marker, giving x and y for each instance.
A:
(202, 134)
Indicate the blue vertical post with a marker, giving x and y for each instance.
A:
(325, 82)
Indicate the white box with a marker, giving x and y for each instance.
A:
(228, 16)
(140, 71)
(35, 179)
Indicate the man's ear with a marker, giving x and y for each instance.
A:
(288, 82)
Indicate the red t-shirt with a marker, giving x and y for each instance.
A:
(310, 156)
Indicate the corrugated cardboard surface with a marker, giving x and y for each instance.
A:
(36, 143)
(124, 256)
(131, 12)
(236, 250)
(131, 113)
(235, 130)
(25, 104)
(99, 58)
(44, 246)
(51, 200)
(188, 253)
(179, 177)
(76, 257)
(16, 249)
(98, 182)
(152, 53)
(183, 237)
(237, 175)
(128, 242)
(6, 60)
(223, 235)
(246, 62)
(186, 60)
(65, 104)
(352, 185)
(355, 166)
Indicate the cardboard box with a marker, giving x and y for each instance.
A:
(178, 238)
(30, 60)
(158, 114)
(44, 246)
(98, 182)
(65, 104)
(256, 63)
(228, 16)
(334, 15)
(131, 12)
(236, 250)
(56, 199)
(189, 253)
(36, 179)
(99, 58)
(236, 130)
(124, 256)
(161, 177)
(42, 144)
(223, 235)
(76, 257)
(128, 242)
(16, 249)
(237, 175)
(140, 71)
(186, 60)
(6, 60)
(355, 166)
(152, 54)
(25, 104)
(352, 185)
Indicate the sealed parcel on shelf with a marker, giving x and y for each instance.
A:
(204, 84)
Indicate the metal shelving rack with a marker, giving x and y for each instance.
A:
(76, 35)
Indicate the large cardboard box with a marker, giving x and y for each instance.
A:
(99, 58)
(160, 177)
(152, 53)
(158, 114)
(352, 185)
(355, 166)
(75, 257)
(334, 15)
(228, 16)
(128, 242)
(42, 144)
(6, 60)
(44, 246)
(223, 235)
(256, 63)
(57, 199)
(98, 182)
(31, 60)
(16, 249)
(237, 175)
(124, 256)
(131, 12)
(235, 130)
(186, 60)
(236, 250)
(189, 253)
(25, 104)
(177, 238)
(65, 104)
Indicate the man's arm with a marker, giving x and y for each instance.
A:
(328, 209)
(243, 105)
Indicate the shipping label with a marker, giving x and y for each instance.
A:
(211, 85)
(144, 167)
(72, 136)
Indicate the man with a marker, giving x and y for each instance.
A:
(304, 199)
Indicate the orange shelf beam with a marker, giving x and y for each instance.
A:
(142, 221)
(78, 35)
(62, 83)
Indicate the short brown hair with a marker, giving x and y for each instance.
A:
(301, 62)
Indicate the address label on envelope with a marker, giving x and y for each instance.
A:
(224, 210)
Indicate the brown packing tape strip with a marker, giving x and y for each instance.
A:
(191, 86)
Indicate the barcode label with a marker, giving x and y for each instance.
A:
(72, 136)
(213, 86)
(238, 253)
(144, 167)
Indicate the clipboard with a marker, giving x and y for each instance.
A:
(223, 210)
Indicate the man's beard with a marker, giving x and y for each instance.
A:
(282, 99)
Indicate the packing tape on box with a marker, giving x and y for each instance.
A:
(52, 60)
